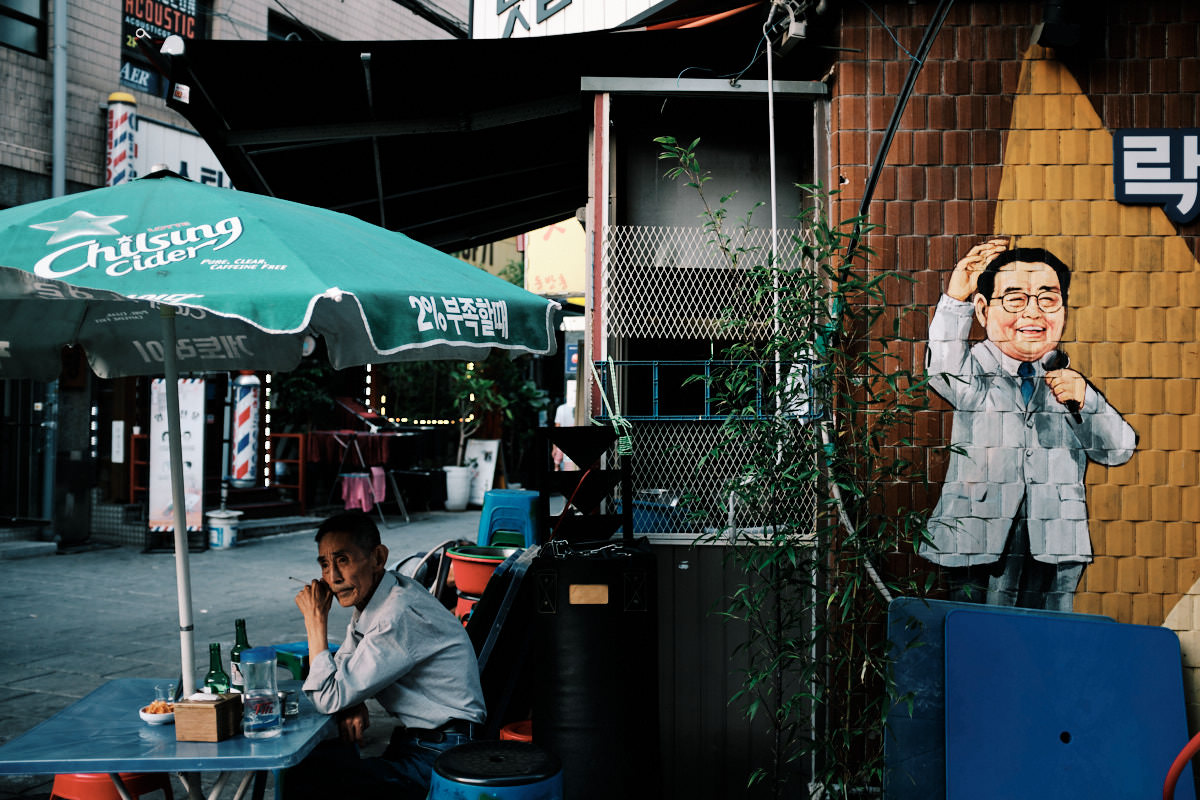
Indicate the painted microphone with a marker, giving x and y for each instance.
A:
(1057, 359)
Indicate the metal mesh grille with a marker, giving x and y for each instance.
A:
(676, 493)
(670, 282)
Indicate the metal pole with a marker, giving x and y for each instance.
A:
(183, 578)
(58, 140)
(58, 187)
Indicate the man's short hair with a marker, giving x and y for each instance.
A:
(362, 529)
(1029, 255)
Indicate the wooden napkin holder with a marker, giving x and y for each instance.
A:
(200, 721)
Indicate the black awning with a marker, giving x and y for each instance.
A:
(455, 143)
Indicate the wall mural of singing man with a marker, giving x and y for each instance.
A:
(1011, 526)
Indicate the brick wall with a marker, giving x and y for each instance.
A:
(1005, 137)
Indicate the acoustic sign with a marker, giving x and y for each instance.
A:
(157, 19)
(1158, 166)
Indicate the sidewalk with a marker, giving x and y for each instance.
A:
(72, 622)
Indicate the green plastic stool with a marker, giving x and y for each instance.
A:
(293, 656)
(507, 539)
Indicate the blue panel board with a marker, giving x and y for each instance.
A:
(914, 740)
(1061, 708)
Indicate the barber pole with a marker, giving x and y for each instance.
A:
(245, 430)
(122, 125)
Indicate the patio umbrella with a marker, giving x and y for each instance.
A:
(162, 275)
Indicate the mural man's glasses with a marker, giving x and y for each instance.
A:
(1016, 302)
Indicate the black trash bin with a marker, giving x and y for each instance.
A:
(596, 691)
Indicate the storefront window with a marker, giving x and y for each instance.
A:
(23, 25)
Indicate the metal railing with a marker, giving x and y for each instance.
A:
(668, 380)
(286, 468)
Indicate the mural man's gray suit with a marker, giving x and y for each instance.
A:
(1010, 452)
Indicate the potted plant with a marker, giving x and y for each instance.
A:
(473, 397)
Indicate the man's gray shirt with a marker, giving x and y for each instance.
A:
(408, 652)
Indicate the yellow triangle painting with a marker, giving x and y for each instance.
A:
(1131, 331)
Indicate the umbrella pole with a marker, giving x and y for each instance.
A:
(183, 576)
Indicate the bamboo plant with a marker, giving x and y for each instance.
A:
(833, 439)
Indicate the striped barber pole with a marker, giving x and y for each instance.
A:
(245, 430)
(122, 124)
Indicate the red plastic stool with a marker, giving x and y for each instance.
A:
(520, 731)
(99, 786)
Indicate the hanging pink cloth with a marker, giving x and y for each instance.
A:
(358, 488)
(379, 484)
(356, 491)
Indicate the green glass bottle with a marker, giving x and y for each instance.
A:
(216, 681)
(236, 682)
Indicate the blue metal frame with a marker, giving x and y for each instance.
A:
(704, 367)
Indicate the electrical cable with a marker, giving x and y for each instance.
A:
(918, 61)
(884, 25)
(843, 516)
(300, 22)
(758, 53)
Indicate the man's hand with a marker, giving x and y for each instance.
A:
(1067, 385)
(966, 273)
(314, 602)
(352, 722)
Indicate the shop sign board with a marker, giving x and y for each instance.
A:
(191, 429)
(484, 456)
(503, 19)
(182, 151)
(1159, 166)
(555, 259)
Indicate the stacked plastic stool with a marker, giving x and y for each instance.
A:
(509, 518)
(293, 656)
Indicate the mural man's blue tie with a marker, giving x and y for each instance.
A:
(1025, 370)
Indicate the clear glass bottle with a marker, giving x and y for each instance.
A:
(235, 656)
(216, 681)
(261, 717)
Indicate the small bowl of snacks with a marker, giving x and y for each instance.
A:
(160, 712)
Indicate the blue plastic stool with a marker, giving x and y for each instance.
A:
(508, 510)
(504, 770)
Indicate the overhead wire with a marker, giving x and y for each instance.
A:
(758, 53)
(910, 80)
(886, 28)
(917, 62)
(300, 22)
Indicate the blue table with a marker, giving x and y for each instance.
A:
(103, 733)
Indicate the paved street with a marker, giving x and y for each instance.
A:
(72, 622)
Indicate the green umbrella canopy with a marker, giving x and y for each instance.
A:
(162, 275)
(253, 279)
